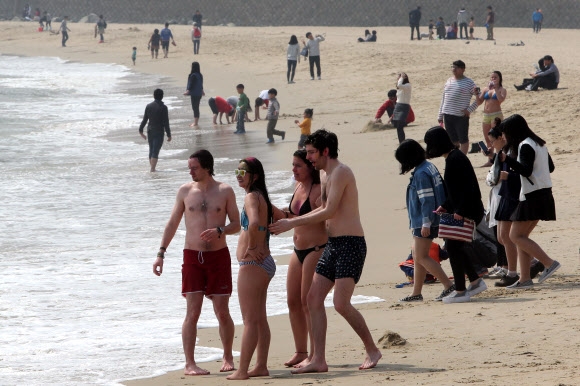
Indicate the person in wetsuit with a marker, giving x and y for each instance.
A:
(309, 243)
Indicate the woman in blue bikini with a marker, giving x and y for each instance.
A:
(491, 97)
(309, 243)
(257, 268)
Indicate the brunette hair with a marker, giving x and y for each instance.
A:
(255, 168)
(314, 174)
(205, 160)
(322, 139)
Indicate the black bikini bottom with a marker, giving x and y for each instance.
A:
(302, 253)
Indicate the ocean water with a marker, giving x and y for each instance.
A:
(80, 223)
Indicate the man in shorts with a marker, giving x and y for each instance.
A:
(342, 261)
(455, 105)
(157, 115)
(206, 258)
(166, 35)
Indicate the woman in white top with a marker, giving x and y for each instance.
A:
(534, 166)
(293, 55)
(403, 105)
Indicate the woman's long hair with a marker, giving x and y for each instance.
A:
(293, 40)
(195, 67)
(255, 168)
(314, 174)
(516, 129)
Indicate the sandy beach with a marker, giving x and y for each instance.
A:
(500, 337)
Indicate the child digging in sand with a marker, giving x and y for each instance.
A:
(304, 127)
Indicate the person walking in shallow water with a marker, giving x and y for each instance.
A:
(205, 203)
(157, 115)
(195, 90)
(64, 30)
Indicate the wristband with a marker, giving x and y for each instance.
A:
(163, 249)
(161, 255)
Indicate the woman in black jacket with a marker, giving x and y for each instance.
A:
(464, 201)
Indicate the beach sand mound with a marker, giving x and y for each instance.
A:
(391, 339)
(371, 126)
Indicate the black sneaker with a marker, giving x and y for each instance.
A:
(536, 269)
(445, 293)
(507, 280)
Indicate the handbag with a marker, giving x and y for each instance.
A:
(461, 230)
(304, 52)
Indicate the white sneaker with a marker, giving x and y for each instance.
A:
(476, 288)
(457, 297)
(529, 88)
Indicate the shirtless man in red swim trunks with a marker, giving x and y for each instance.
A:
(206, 258)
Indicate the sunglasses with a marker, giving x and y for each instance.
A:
(240, 172)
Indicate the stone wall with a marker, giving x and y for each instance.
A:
(361, 13)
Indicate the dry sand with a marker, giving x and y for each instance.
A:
(500, 338)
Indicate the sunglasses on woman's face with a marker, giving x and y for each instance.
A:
(240, 172)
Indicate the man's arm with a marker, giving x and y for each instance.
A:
(144, 122)
(170, 229)
(340, 181)
(166, 123)
(233, 214)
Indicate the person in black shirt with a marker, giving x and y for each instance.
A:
(158, 116)
(464, 201)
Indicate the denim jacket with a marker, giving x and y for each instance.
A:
(425, 193)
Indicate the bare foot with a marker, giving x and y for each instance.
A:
(193, 125)
(298, 357)
(304, 363)
(312, 368)
(258, 372)
(371, 360)
(238, 376)
(194, 370)
(228, 365)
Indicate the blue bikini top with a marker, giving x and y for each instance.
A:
(486, 96)
(245, 222)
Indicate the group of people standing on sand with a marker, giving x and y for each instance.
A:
(521, 193)
(440, 30)
(329, 252)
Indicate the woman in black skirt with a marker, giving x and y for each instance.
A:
(508, 193)
(536, 202)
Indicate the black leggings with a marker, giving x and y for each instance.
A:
(291, 70)
(195, 105)
(460, 263)
(312, 61)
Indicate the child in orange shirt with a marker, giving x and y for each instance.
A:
(304, 127)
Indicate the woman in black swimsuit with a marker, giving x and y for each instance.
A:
(309, 243)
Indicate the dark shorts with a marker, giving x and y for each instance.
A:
(212, 105)
(155, 143)
(154, 47)
(457, 128)
(302, 140)
(165, 45)
(207, 272)
(344, 256)
(434, 233)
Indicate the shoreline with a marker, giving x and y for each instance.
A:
(503, 330)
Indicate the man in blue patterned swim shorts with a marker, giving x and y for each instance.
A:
(341, 263)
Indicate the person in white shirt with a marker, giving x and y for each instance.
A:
(313, 46)
(403, 105)
(261, 101)
(293, 56)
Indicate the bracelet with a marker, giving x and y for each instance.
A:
(161, 255)
(163, 249)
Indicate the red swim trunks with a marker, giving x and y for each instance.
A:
(207, 272)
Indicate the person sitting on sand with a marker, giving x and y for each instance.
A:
(369, 37)
(547, 76)
(342, 261)
(389, 107)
